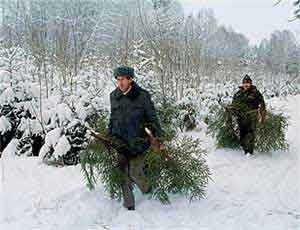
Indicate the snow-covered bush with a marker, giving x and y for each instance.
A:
(63, 145)
(28, 115)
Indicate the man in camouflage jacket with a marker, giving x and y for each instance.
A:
(248, 103)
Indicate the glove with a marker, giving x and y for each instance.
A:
(156, 143)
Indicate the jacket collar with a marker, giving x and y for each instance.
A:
(132, 94)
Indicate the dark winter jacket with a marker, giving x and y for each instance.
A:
(130, 114)
(248, 100)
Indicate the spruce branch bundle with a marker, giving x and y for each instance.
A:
(180, 168)
(270, 136)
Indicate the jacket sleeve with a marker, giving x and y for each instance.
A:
(235, 99)
(110, 126)
(110, 120)
(151, 116)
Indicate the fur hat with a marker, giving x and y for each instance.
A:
(124, 71)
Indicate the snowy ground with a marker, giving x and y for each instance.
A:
(262, 192)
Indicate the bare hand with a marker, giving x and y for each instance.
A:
(162, 146)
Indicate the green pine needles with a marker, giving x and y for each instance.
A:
(226, 131)
(100, 163)
(270, 136)
(179, 169)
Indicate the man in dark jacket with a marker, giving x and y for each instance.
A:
(248, 103)
(131, 111)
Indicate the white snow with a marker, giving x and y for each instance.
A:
(63, 113)
(4, 125)
(30, 126)
(62, 147)
(4, 76)
(8, 95)
(53, 136)
(11, 148)
(51, 140)
(256, 193)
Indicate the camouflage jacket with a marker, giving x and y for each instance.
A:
(246, 101)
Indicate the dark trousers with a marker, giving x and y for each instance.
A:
(133, 170)
(247, 126)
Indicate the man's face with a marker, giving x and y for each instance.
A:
(123, 83)
(246, 85)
